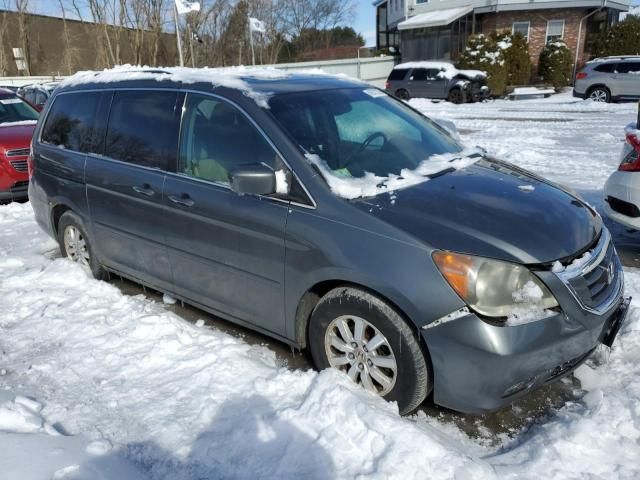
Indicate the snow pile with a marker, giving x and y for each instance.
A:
(576, 265)
(184, 401)
(32, 449)
(529, 305)
(447, 70)
(370, 185)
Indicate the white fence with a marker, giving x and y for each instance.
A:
(373, 70)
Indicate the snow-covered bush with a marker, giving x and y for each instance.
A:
(487, 53)
(517, 60)
(623, 38)
(555, 64)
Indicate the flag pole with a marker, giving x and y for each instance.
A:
(175, 13)
(253, 54)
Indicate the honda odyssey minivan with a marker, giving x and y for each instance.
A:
(334, 217)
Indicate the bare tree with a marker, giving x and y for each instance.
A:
(24, 28)
(5, 59)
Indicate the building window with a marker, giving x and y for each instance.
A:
(555, 30)
(422, 1)
(522, 28)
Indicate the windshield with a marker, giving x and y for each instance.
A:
(15, 110)
(360, 133)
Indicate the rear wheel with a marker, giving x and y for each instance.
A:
(75, 244)
(361, 335)
(455, 96)
(600, 94)
(403, 94)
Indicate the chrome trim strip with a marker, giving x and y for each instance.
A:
(462, 312)
(599, 252)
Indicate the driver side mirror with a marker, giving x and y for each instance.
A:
(253, 179)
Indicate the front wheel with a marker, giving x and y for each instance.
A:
(361, 335)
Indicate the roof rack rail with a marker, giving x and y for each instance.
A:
(617, 57)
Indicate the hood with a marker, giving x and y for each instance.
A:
(491, 209)
(16, 136)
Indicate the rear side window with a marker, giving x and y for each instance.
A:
(419, 74)
(397, 74)
(628, 67)
(71, 123)
(143, 128)
(606, 67)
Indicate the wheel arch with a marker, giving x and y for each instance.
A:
(56, 213)
(597, 85)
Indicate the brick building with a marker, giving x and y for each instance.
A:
(438, 29)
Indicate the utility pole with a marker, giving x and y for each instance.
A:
(178, 40)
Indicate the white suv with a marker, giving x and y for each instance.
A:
(609, 79)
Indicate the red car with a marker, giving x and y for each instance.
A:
(17, 122)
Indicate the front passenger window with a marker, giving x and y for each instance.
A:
(216, 138)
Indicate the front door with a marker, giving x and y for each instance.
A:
(227, 250)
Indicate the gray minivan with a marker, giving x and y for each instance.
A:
(334, 217)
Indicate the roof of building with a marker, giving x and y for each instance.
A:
(435, 18)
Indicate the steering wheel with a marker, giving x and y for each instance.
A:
(362, 146)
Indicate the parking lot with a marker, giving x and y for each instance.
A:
(179, 391)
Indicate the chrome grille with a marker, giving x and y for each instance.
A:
(19, 152)
(598, 284)
(19, 165)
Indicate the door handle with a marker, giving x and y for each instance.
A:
(183, 199)
(145, 189)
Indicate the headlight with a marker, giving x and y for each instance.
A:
(491, 287)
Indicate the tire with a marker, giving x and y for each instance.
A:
(455, 96)
(77, 246)
(343, 309)
(403, 94)
(599, 94)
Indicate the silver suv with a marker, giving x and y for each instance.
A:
(609, 79)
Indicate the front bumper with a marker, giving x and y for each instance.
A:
(480, 367)
(17, 192)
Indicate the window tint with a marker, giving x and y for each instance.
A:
(72, 123)
(41, 98)
(419, 74)
(14, 109)
(143, 128)
(628, 67)
(30, 96)
(606, 67)
(216, 138)
(398, 74)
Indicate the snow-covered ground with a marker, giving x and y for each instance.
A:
(96, 384)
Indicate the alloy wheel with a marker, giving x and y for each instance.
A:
(598, 95)
(356, 347)
(75, 246)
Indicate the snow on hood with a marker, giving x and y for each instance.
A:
(229, 77)
(371, 185)
(447, 70)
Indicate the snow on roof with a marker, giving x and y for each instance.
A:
(447, 69)
(229, 77)
(436, 18)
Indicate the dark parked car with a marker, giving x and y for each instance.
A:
(438, 80)
(17, 122)
(333, 217)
